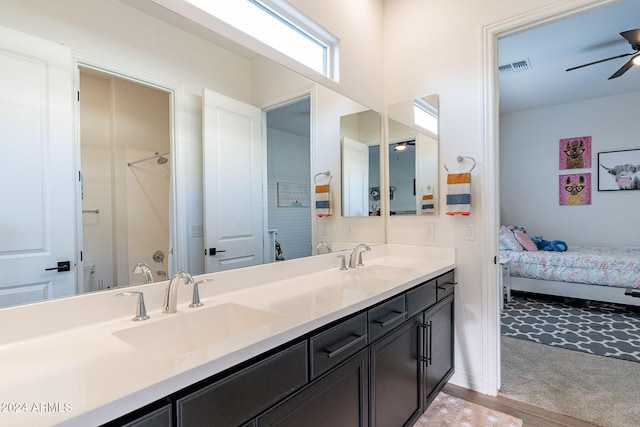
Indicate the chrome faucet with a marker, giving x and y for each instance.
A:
(171, 293)
(356, 256)
(145, 270)
(322, 244)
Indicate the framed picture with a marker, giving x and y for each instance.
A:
(293, 195)
(619, 170)
(575, 153)
(575, 189)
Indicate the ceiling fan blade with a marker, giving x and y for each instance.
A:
(602, 60)
(623, 69)
(633, 37)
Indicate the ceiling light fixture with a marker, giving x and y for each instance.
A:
(400, 146)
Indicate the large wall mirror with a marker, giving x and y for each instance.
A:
(161, 169)
(360, 136)
(413, 157)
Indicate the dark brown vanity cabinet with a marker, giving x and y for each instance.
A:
(438, 348)
(238, 397)
(411, 365)
(379, 367)
(395, 380)
(339, 398)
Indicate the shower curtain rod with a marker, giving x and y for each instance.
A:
(148, 158)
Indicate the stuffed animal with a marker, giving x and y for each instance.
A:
(546, 245)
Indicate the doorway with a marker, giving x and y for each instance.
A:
(125, 147)
(288, 139)
(519, 25)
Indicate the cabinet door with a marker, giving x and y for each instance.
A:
(438, 360)
(339, 398)
(396, 370)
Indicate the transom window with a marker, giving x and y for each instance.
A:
(425, 116)
(279, 25)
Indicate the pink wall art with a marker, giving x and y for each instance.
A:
(575, 153)
(575, 189)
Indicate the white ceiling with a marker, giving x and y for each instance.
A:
(553, 48)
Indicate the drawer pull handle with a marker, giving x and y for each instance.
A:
(333, 353)
(394, 319)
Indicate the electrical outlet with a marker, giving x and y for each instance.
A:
(469, 232)
(429, 231)
(349, 227)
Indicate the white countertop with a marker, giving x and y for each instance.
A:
(69, 362)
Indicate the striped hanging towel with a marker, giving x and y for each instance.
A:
(459, 193)
(428, 203)
(323, 200)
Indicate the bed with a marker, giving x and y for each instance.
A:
(591, 273)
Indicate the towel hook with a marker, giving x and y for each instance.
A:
(460, 159)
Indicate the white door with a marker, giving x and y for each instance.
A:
(37, 176)
(233, 180)
(355, 178)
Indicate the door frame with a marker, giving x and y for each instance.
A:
(274, 103)
(491, 378)
(177, 209)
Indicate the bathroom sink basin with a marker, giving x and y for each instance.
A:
(382, 272)
(176, 334)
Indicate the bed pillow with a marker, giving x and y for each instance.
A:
(525, 241)
(508, 240)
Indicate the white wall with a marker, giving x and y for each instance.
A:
(529, 171)
(437, 47)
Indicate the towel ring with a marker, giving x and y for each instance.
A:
(460, 159)
(326, 173)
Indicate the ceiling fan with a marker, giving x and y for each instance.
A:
(633, 37)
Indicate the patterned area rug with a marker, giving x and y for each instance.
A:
(596, 328)
(449, 411)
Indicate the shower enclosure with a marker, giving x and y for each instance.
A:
(126, 171)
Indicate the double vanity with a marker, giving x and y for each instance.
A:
(299, 342)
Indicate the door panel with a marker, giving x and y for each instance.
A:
(37, 220)
(355, 173)
(233, 180)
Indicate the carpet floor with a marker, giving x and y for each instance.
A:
(600, 329)
(601, 390)
(450, 411)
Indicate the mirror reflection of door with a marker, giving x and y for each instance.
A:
(289, 168)
(37, 225)
(126, 168)
(402, 177)
(355, 178)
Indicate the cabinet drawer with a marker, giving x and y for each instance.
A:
(386, 316)
(158, 418)
(446, 285)
(334, 345)
(233, 400)
(422, 297)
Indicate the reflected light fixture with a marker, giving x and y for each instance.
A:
(400, 146)
(636, 60)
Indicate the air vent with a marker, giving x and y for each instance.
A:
(515, 67)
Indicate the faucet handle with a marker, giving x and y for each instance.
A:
(141, 311)
(195, 299)
(343, 263)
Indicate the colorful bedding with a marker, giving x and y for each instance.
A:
(619, 267)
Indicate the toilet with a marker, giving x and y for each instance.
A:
(89, 269)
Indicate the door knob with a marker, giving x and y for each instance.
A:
(213, 251)
(62, 266)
